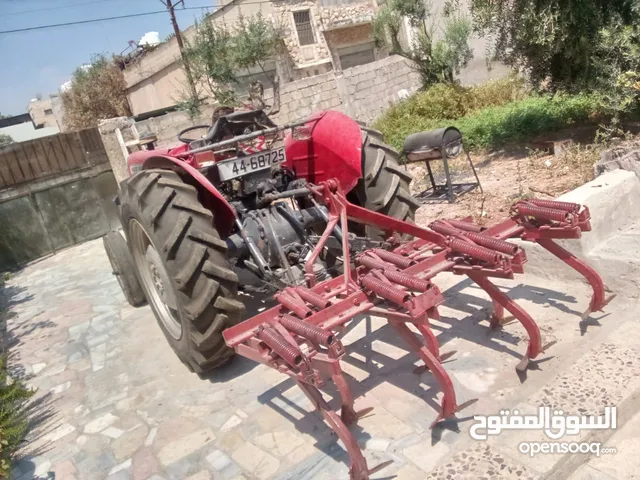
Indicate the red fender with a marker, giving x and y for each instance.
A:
(333, 151)
(225, 214)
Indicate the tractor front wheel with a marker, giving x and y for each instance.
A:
(182, 265)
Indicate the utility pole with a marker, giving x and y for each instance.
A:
(171, 7)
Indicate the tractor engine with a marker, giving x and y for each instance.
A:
(273, 234)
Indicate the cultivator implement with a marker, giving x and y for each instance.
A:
(298, 336)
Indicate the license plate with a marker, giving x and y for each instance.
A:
(238, 167)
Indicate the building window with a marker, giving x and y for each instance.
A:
(48, 111)
(303, 26)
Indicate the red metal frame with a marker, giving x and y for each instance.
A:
(297, 337)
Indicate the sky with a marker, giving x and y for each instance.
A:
(39, 61)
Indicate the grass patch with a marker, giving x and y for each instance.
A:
(488, 116)
(14, 396)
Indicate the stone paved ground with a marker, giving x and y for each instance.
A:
(114, 402)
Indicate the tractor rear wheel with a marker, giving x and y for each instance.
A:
(182, 265)
(122, 266)
(384, 187)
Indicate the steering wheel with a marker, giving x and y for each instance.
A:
(183, 139)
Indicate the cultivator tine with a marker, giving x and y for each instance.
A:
(598, 298)
(358, 469)
(448, 406)
(516, 310)
(299, 335)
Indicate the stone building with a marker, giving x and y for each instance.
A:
(320, 36)
(42, 114)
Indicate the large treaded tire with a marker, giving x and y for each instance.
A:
(181, 231)
(122, 266)
(384, 187)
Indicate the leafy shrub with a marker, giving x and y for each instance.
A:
(496, 125)
(522, 119)
(14, 396)
(497, 92)
(5, 140)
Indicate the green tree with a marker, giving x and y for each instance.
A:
(436, 60)
(98, 91)
(5, 140)
(559, 43)
(218, 54)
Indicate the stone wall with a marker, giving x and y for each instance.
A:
(47, 215)
(363, 92)
(345, 16)
(372, 88)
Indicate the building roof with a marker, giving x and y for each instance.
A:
(15, 120)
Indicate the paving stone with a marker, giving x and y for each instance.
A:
(112, 432)
(427, 462)
(145, 464)
(279, 444)
(151, 437)
(481, 461)
(100, 423)
(122, 466)
(201, 475)
(59, 432)
(89, 465)
(61, 388)
(256, 461)
(218, 460)
(38, 367)
(233, 422)
(187, 445)
(126, 445)
(64, 469)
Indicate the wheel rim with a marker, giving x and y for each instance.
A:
(155, 279)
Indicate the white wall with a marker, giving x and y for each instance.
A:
(26, 131)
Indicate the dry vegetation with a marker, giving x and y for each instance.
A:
(508, 177)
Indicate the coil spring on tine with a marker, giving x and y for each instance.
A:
(372, 263)
(312, 297)
(494, 243)
(466, 226)
(398, 260)
(475, 251)
(566, 206)
(385, 290)
(293, 304)
(307, 330)
(444, 229)
(412, 283)
(280, 346)
(542, 213)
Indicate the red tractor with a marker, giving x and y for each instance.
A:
(196, 214)
(323, 215)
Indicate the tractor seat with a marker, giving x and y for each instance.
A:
(433, 144)
(236, 122)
